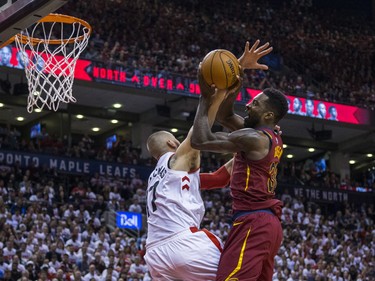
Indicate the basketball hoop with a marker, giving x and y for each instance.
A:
(49, 51)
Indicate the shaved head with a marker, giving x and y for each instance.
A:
(160, 143)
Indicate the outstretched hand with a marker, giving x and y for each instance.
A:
(250, 56)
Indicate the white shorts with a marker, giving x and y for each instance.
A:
(190, 255)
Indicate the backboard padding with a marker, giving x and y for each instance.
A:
(23, 13)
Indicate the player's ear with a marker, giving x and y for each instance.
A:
(269, 115)
(172, 144)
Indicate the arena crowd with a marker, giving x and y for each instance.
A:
(54, 226)
(174, 36)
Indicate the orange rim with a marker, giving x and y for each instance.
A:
(6, 43)
(53, 18)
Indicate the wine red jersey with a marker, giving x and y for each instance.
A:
(253, 183)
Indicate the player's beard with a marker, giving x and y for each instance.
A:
(251, 122)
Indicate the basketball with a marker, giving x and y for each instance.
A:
(220, 67)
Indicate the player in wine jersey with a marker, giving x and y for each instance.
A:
(256, 234)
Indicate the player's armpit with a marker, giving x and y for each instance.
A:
(217, 179)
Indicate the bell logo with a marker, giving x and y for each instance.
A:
(129, 220)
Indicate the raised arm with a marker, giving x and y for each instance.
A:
(254, 143)
(186, 157)
(248, 60)
(248, 140)
(226, 116)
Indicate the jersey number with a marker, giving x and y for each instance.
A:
(272, 181)
(153, 190)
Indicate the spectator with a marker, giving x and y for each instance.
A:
(5, 56)
(321, 110)
(92, 274)
(309, 104)
(135, 207)
(297, 107)
(332, 113)
(22, 59)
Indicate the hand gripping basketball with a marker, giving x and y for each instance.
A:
(235, 88)
(207, 91)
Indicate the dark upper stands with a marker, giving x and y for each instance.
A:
(324, 53)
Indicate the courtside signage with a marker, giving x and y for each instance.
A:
(73, 165)
(329, 195)
(176, 84)
(129, 220)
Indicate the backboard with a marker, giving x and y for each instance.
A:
(16, 15)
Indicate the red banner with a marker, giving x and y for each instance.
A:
(323, 110)
(176, 84)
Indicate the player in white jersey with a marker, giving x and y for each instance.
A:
(174, 200)
(176, 248)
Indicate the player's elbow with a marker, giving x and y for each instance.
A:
(223, 122)
(196, 142)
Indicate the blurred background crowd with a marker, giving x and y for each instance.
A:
(319, 52)
(55, 226)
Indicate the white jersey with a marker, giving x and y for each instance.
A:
(174, 202)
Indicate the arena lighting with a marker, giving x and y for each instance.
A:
(20, 118)
(1, 104)
(95, 129)
(369, 155)
(174, 130)
(290, 156)
(79, 116)
(311, 149)
(37, 110)
(114, 121)
(351, 162)
(285, 145)
(117, 105)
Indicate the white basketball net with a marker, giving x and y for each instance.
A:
(50, 66)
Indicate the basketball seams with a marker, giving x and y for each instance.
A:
(219, 67)
(211, 67)
(224, 68)
(231, 56)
